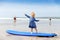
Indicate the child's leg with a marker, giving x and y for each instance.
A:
(36, 30)
(31, 29)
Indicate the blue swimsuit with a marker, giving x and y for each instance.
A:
(32, 23)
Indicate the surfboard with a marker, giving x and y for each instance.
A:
(13, 32)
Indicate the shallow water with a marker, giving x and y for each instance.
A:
(22, 25)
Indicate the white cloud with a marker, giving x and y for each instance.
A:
(11, 10)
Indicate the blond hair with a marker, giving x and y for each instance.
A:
(32, 14)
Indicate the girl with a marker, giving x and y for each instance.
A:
(32, 23)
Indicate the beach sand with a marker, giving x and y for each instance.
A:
(22, 25)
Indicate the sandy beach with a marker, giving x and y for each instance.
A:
(22, 25)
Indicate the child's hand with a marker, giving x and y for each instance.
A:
(25, 14)
(37, 20)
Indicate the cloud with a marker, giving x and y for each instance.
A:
(13, 9)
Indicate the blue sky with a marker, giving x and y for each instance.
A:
(32, 1)
(42, 8)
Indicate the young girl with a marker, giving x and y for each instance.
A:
(32, 23)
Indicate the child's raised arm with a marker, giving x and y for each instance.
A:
(27, 16)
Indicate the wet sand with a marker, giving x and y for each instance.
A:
(21, 25)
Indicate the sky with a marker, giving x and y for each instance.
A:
(42, 8)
